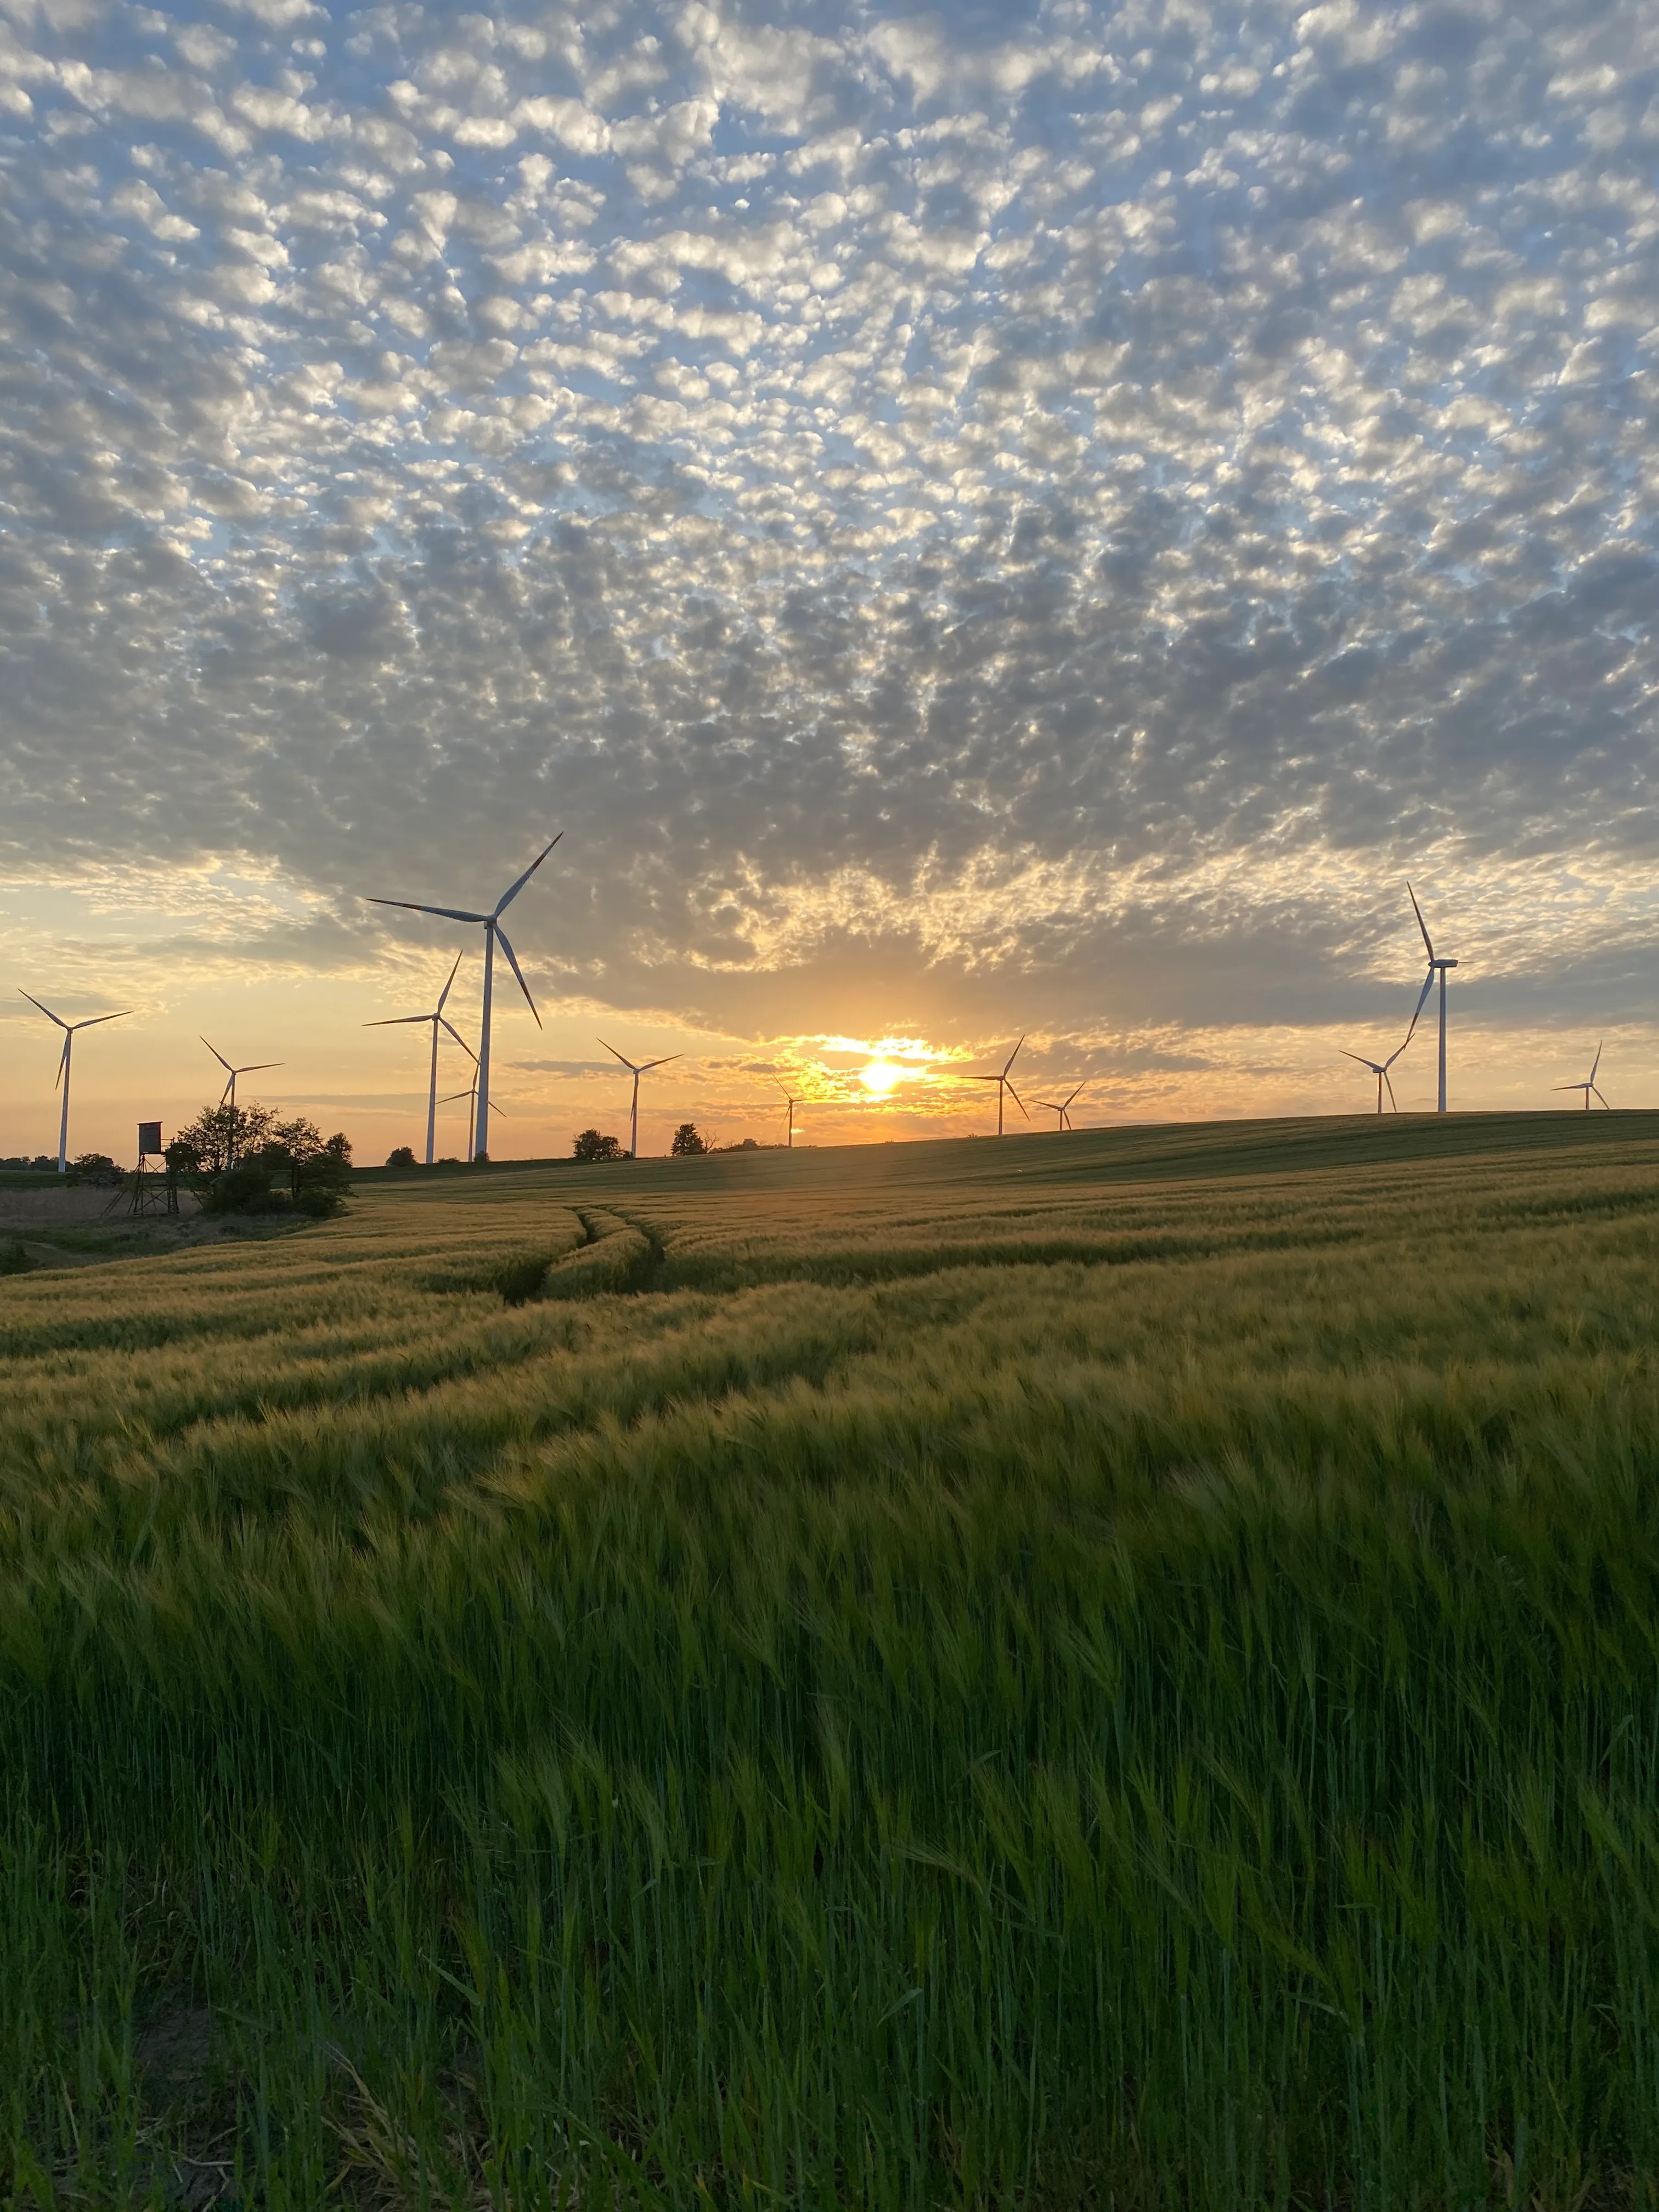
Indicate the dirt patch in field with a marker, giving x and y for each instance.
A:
(49, 1209)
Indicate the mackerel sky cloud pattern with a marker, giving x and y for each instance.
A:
(1073, 494)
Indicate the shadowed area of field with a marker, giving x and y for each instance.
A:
(1108, 1667)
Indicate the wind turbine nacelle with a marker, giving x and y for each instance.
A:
(1445, 963)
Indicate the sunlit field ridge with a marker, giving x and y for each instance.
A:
(1116, 1669)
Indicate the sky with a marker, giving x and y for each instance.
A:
(1006, 518)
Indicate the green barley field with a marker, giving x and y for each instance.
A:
(1119, 1670)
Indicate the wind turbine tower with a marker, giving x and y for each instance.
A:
(69, 1029)
(1003, 1084)
(438, 1020)
(1437, 964)
(1063, 1106)
(644, 1068)
(494, 935)
(1588, 1083)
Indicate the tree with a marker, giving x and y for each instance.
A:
(591, 1145)
(401, 1156)
(687, 1141)
(221, 1134)
(318, 1168)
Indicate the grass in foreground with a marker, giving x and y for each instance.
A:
(1117, 1669)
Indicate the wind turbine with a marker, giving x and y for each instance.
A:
(1003, 1083)
(1587, 1086)
(1380, 1068)
(494, 935)
(472, 1096)
(1062, 1107)
(62, 1076)
(1435, 963)
(439, 1021)
(257, 1067)
(229, 1090)
(644, 1068)
(791, 1102)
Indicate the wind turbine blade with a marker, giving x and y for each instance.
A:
(1594, 1064)
(47, 1011)
(1603, 1100)
(1421, 924)
(1015, 1095)
(444, 993)
(92, 1020)
(1360, 1057)
(391, 1022)
(414, 906)
(1079, 1092)
(1568, 1086)
(1012, 1057)
(217, 1054)
(648, 1064)
(459, 1039)
(985, 1079)
(63, 1062)
(1422, 1001)
(508, 897)
(1392, 1100)
(615, 1054)
(260, 1065)
(501, 939)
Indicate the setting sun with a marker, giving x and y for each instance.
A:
(879, 1076)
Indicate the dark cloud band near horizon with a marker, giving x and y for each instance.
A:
(1081, 494)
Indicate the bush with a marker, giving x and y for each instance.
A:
(591, 1145)
(401, 1156)
(318, 1168)
(687, 1141)
(96, 1167)
(243, 1189)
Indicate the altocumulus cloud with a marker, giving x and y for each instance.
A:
(1056, 491)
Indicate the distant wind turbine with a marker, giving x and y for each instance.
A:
(1436, 963)
(643, 1067)
(1380, 1068)
(1003, 1083)
(228, 1095)
(791, 1103)
(438, 1020)
(1588, 1085)
(494, 935)
(1062, 1107)
(470, 1094)
(63, 1077)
